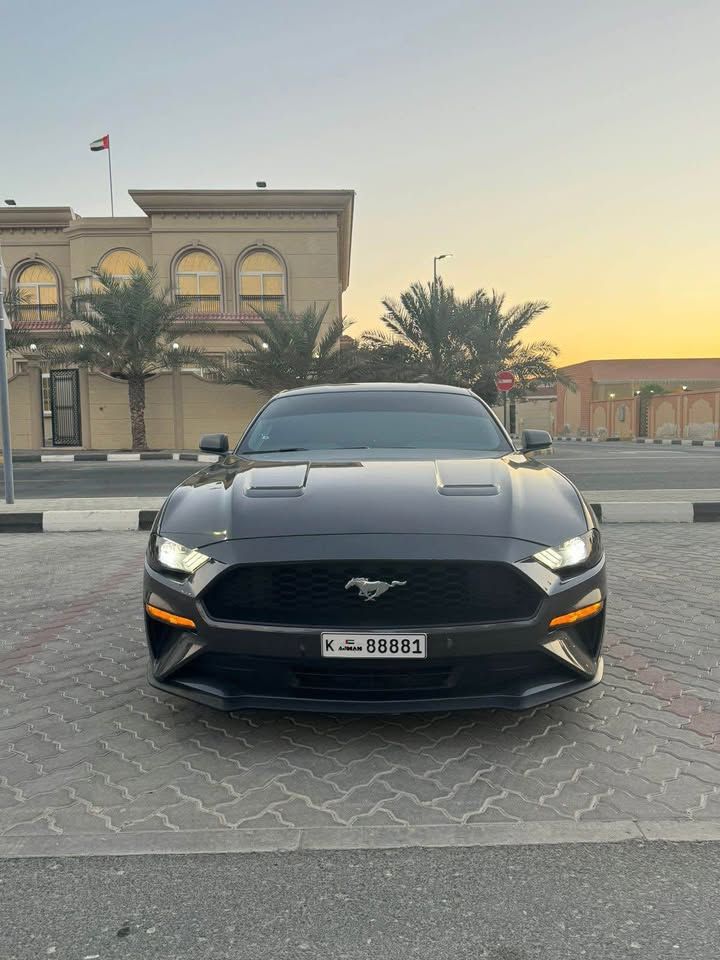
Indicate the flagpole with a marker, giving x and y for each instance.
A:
(112, 202)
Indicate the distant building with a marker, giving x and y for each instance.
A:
(614, 381)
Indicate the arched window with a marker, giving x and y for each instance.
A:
(261, 282)
(198, 283)
(37, 286)
(121, 263)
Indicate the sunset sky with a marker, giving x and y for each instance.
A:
(565, 151)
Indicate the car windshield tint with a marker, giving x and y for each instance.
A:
(375, 420)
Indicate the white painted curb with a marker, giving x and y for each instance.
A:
(123, 456)
(661, 511)
(287, 839)
(55, 521)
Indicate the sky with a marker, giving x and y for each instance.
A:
(561, 151)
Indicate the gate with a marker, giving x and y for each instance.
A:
(65, 408)
(643, 416)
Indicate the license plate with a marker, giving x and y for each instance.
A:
(375, 646)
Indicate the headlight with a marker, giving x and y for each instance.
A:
(176, 556)
(579, 553)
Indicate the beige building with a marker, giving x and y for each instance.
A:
(223, 254)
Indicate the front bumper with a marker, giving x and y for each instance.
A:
(512, 664)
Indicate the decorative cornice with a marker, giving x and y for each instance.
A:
(244, 215)
(35, 217)
(108, 227)
(5, 230)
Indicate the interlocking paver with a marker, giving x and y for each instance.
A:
(86, 747)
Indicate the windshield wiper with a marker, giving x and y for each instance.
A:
(277, 450)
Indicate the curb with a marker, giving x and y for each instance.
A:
(674, 442)
(296, 839)
(76, 521)
(91, 457)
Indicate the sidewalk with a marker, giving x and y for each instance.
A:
(137, 513)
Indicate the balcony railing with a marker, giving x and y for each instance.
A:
(199, 303)
(31, 313)
(262, 304)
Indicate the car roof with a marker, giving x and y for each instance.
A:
(375, 387)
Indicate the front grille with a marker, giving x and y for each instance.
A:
(313, 594)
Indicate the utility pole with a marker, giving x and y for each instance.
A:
(5, 394)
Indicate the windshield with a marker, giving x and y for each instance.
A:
(374, 420)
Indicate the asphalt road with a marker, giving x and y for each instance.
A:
(594, 466)
(653, 901)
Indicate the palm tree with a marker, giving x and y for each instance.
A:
(493, 342)
(424, 336)
(133, 329)
(293, 350)
(432, 335)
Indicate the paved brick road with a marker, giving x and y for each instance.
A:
(87, 748)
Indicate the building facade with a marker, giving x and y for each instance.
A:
(224, 254)
(607, 398)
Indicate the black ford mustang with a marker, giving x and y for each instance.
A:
(375, 547)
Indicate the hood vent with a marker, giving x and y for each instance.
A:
(466, 478)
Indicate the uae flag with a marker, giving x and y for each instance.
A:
(102, 144)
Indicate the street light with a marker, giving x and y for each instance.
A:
(684, 386)
(612, 396)
(435, 262)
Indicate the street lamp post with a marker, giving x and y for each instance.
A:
(435, 262)
(5, 395)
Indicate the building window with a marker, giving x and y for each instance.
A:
(198, 283)
(37, 288)
(209, 373)
(120, 264)
(261, 283)
(46, 401)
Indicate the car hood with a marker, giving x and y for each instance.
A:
(511, 497)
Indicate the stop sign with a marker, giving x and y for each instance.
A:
(505, 381)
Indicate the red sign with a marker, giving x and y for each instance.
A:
(505, 380)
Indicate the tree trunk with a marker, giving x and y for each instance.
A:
(136, 396)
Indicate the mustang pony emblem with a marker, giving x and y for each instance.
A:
(372, 589)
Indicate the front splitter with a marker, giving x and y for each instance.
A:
(532, 696)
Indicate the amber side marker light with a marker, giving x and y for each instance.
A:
(164, 616)
(566, 619)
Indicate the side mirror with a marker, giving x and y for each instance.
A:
(535, 440)
(215, 443)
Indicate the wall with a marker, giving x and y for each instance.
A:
(569, 406)
(693, 415)
(614, 418)
(25, 410)
(179, 408)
